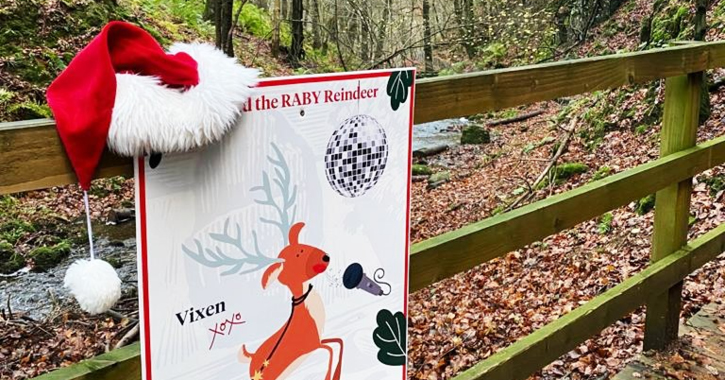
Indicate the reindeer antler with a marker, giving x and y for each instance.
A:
(287, 191)
(217, 258)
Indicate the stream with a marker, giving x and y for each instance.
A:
(35, 294)
(428, 135)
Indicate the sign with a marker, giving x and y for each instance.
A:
(282, 251)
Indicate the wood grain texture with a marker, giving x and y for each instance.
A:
(468, 94)
(121, 364)
(533, 352)
(672, 205)
(453, 252)
(33, 158)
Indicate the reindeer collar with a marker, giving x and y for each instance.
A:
(301, 299)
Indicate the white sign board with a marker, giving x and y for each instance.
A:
(282, 251)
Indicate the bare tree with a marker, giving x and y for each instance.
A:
(297, 52)
(427, 47)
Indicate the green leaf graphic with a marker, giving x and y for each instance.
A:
(398, 87)
(391, 337)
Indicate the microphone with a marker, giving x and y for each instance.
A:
(354, 277)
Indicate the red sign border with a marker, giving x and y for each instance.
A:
(271, 82)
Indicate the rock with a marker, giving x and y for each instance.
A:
(432, 151)
(441, 177)
(475, 134)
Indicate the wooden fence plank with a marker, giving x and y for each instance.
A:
(672, 205)
(531, 353)
(32, 157)
(467, 94)
(453, 252)
(121, 364)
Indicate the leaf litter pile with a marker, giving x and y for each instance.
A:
(459, 321)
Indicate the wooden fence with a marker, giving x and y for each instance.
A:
(32, 158)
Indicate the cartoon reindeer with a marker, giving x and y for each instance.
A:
(294, 267)
(300, 335)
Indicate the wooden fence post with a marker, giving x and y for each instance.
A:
(672, 205)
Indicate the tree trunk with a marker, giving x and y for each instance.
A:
(382, 32)
(315, 15)
(297, 50)
(427, 47)
(336, 35)
(223, 26)
(699, 35)
(700, 20)
(209, 6)
(277, 21)
(469, 42)
(364, 31)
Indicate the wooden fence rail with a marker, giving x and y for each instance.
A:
(32, 158)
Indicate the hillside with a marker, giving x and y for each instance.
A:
(38, 38)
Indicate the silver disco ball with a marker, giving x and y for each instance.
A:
(356, 156)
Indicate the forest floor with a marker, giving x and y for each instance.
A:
(461, 320)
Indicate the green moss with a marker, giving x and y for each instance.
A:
(10, 261)
(716, 183)
(563, 172)
(672, 21)
(641, 129)
(602, 172)
(13, 229)
(443, 176)
(47, 257)
(645, 204)
(569, 169)
(475, 134)
(605, 223)
(419, 169)
(29, 110)
(5, 96)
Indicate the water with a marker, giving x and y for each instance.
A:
(428, 135)
(36, 294)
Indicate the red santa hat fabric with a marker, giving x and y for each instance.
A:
(83, 95)
(125, 90)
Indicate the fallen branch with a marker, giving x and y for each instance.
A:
(562, 147)
(515, 119)
(128, 337)
(432, 151)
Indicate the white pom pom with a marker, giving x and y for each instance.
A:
(94, 284)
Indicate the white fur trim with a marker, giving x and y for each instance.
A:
(149, 117)
(94, 284)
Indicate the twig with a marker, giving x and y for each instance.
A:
(10, 311)
(118, 315)
(552, 162)
(130, 335)
(515, 118)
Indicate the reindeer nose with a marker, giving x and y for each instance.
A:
(326, 258)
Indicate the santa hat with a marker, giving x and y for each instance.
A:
(124, 92)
